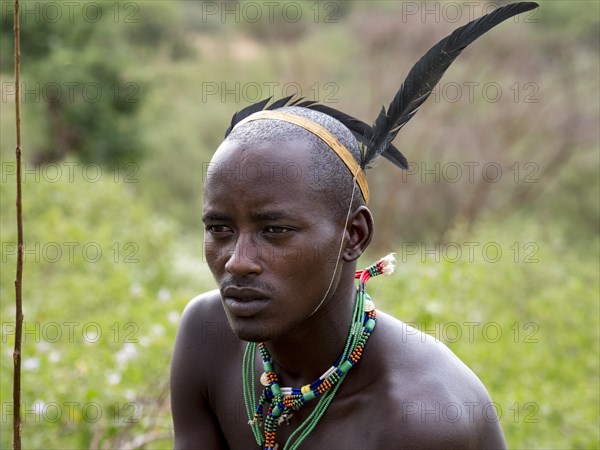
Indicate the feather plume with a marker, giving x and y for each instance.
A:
(424, 76)
(377, 140)
(260, 106)
(363, 133)
(247, 111)
(282, 102)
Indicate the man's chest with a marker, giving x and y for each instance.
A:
(348, 422)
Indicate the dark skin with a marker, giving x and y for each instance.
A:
(283, 279)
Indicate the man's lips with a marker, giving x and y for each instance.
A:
(244, 294)
(244, 302)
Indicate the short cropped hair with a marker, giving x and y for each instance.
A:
(332, 179)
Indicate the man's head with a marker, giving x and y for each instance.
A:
(284, 218)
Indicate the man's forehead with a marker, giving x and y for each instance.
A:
(263, 186)
(271, 151)
(272, 161)
(261, 203)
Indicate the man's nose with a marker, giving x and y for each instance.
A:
(245, 258)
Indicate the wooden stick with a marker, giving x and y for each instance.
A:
(19, 275)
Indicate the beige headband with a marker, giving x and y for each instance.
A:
(325, 136)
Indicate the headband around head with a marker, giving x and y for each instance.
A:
(324, 134)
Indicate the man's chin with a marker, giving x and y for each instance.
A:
(253, 330)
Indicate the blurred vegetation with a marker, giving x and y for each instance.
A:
(106, 283)
(526, 323)
(75, 74)
(171, 74)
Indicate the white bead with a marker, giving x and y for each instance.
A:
(369, 305)
(263, 379)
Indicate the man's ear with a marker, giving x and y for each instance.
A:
(359, 233)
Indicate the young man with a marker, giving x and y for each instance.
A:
(286, 220)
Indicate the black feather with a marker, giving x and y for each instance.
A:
(362, 132)
(248, 110)
(393, 155)
(423, 77)
(280, 103)
(260, 106)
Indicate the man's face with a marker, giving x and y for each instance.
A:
(269, 241)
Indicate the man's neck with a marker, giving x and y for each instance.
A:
(307, 352)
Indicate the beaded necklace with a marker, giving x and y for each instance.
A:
(283, 401)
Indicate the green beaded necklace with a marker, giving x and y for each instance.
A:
(284, 401)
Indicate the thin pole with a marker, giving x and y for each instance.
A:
(19, 275)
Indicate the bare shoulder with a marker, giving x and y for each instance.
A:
(204, 307)
(202, 337)
(203, 330)
(436, 399)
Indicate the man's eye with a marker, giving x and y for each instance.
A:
(217, 228)
(277, 230)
